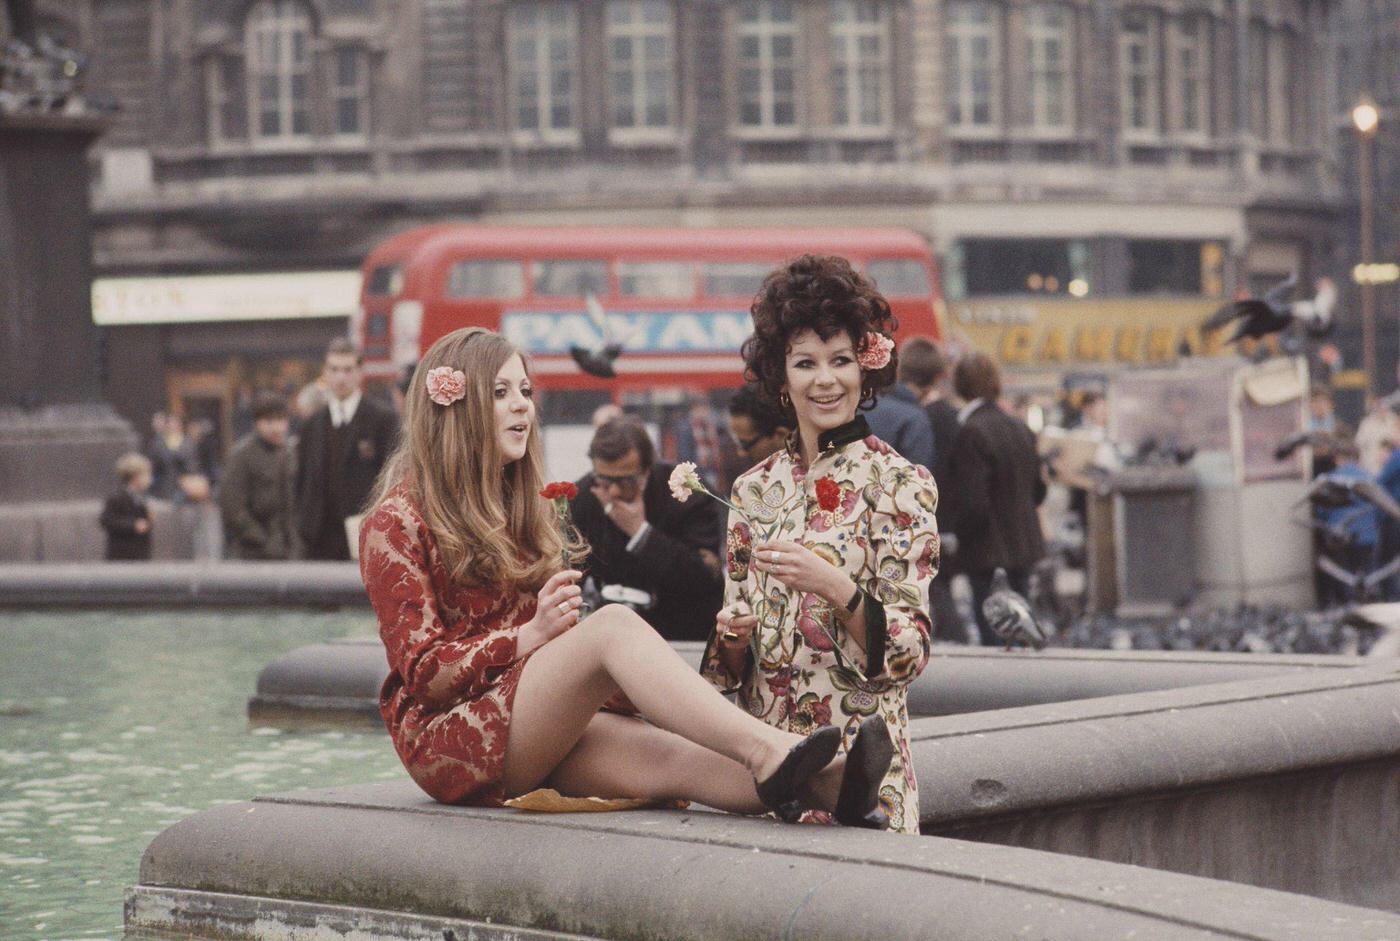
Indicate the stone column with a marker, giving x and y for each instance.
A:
(58, 438)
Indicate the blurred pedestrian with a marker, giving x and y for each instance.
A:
(339, 454)
(758, 426)
(898, 419)
(923, 369)
(256, 495)
(126, 516)
(998, 483)
(642, 538)
(1351, 533)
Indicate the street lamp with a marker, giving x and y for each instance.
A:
(1365, 118)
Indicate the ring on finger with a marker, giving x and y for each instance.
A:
(563, 607)
(729, 635)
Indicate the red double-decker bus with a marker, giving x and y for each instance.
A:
(676, 300)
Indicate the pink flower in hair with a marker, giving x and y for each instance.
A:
(875, 351)
(446, 385)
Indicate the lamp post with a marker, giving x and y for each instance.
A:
(1365, 118)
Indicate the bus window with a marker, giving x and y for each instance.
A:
(900, 277)
(671, 279)
(735, 279)
(570, 278)
(385, 281)
(501, 280)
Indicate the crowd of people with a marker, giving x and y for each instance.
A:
(279, 495)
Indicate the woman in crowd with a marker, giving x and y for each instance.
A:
(832, 542)
(495, 687)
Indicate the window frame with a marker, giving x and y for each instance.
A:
(1036, 36)
(844, 38)
(636, 31)
(544, 31)
(282, 19)
(1151, 72)
(765, 30)
(959, 37)
(1178, 76)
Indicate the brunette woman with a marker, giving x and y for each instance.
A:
(495, 686)
(825, 622)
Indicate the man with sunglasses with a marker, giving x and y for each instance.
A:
(642, 538)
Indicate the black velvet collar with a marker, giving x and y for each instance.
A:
(854, 430)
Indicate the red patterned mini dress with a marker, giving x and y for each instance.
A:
(453, 663)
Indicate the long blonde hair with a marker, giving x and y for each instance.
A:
(491, 525)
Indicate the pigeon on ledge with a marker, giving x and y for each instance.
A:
(1009, 615)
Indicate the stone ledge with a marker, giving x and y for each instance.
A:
(182, 584)
(342, 678)
(314, 861)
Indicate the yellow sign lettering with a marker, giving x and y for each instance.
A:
(1016, 345)
(1054, 348)
(1093, 343)
(1129, 345)
(1161, 344)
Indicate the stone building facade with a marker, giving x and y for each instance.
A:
(1077, 159)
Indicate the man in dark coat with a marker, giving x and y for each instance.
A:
(255, 497)
(997, 479)
(644, 538)
(922, 368)
(342, 448)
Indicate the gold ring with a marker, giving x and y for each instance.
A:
(729, 635)
(776, 557)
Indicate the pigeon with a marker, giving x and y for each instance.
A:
(597, 360)
(1334, 491)
(1009, 615)
(1314, 439)
(1384, 619)
(1276, 311)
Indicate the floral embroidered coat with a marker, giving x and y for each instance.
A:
(453, 664)
(884, 536)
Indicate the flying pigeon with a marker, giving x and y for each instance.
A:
(597, 360)
(1335, 491)
(1009, 615)
(1276, 311)
(1293, 442)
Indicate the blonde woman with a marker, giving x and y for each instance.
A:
(495, 687)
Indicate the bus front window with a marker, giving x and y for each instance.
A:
(497, 280)
(900, 277)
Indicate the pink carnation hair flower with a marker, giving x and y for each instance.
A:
(446, 385)
(875, 351)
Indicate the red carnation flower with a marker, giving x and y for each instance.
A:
(560, 488)
(828, 494)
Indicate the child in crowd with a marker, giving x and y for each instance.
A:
(125, 516)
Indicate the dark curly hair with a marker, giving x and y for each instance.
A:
(822, 293)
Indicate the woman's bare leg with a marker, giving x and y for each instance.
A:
(565, 682)
(622, 756)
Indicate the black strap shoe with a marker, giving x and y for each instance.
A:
(867, 763)
(779, 793)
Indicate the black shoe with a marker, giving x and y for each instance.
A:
(779, 793)
(867, 762)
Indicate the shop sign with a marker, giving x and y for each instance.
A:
(1034, 332)
(231, 297)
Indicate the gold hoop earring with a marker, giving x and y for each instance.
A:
(783, 397)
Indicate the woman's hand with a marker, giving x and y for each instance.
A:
(734, 626)
(801, 569)
(557, 611)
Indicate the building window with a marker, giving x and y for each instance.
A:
(1048, 41)
(1017, 266)
(544, 50)
(1160, 266)
(641, 63)
(973, 61)
(279, 65)
(1137, 52)
(226, 107)
(767, 64)
(351, 92)
(1191, 61)
(860, 65)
